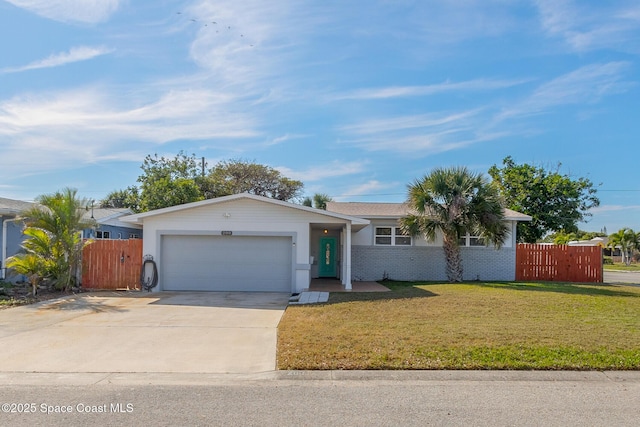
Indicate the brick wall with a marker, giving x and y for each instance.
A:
(428, 263)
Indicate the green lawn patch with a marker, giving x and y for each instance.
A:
(467, 326)
(622, 267)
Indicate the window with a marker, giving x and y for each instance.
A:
(391, 236)
(134, 236)
(471, 241)
(476, 241)
(402, 238)
(103, 234)
(383, 235)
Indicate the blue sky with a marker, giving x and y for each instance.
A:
(354, 98)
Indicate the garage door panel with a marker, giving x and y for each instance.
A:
(226, 263)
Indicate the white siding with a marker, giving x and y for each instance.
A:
(241, 216)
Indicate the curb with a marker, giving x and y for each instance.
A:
(275, 377)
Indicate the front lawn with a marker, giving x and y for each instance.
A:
(467, 326)
(622, 267)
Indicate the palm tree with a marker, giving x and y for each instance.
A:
(60, 217)
(454, 202)
(37, 260)
(320, 200)
(625, 239)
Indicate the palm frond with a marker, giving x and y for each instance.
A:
(455, 201)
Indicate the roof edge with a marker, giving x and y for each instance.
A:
(139, 218)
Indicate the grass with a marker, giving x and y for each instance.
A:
(467, 326)
(622, 267)
(6, 302)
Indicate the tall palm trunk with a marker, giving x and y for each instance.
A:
(455, 202)
(453, 258)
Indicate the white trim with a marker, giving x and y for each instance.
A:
(173, 232)
(467, 241)
(346, 261)
(139, 218)
(392, 236)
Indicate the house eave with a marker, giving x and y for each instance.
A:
(356, 222)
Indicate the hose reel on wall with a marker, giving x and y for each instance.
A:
(148, 274)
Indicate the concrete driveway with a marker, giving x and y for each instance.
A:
(186, 332)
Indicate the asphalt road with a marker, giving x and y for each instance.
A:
(302, 398)
(628, 277)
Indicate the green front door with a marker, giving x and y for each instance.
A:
(327, 257)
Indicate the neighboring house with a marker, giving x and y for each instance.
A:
(603, 242)
(107, 225)
(245, 242)
(596, 241)
(10, 229)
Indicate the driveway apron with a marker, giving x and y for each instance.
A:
(186, 332)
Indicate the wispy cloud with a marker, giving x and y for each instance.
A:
(377, 126)
(614, 208)
(447, 22)
(586, 85)
(284, 138)
(587, 26)
(632, 14)
(419, 135)
(324, 171)
(175, 114)
(81, 126)
(425, 90)
(75, 54)
(369, 188)
(248, 43)
(427, 143)
(88, 11)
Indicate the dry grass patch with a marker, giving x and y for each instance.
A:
(467, 326)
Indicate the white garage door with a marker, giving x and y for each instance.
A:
(226, 263)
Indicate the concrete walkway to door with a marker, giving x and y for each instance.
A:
(186, 332)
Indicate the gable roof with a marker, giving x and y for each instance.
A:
(105, 214)
(12, 207)
(369, 210)
(395, 210)
(139, 218)
(109, 216)
(596, 241)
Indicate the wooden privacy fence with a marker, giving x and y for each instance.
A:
(112, 264)
(559, 263)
